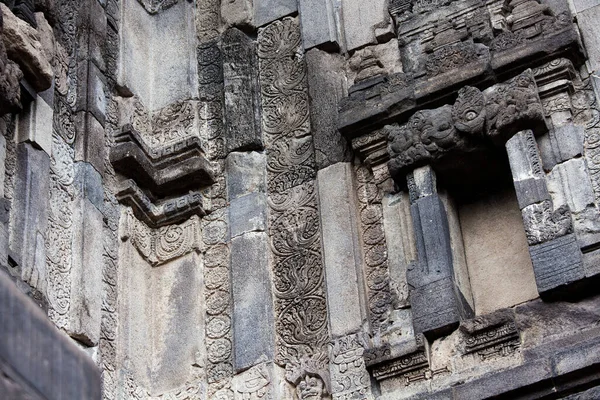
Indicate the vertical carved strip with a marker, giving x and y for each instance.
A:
(586, 114)
(294, 226)
(208, 19)
(59, 234)
(217, 282)
(374, 247)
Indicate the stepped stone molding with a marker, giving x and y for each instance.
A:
(298, 272)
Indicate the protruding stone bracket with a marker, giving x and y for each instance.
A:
(178, 166)
(490, 336)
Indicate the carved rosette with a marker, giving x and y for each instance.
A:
(294, 227)
(374, 247)
(218, 296)
(60, 231)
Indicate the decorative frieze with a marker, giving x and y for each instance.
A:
(164, 244)
(300, 303)
(410, 368)
(490, 336)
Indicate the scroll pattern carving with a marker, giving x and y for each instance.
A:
(349, 376)
(300, 304)
(587, 114)
(211, 90)
(218, 327)
(208, 19)
(164, 244)
(542, 223)
(497, 341)
(374, 247)
(59, 232)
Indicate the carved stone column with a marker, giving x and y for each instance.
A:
(437, 302)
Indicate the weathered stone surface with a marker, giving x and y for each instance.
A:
(266, 11)
(10, 75)
(556, 263)
(326, 88)
(435, 308)
(340, 251)
(569, 183)
(90, 141)
(29, 214)
(319, 26)
(23, 46)
(365, 23)
(246, 173)
(39, 357)
(589, 31)
(253, 324)
(248, 214)
(561, 144)
(35, 125)
(242, 111)
(86, 278)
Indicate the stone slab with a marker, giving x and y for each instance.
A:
(524, 157)
(326, 89)
(569, 183)
(590, 31)
(29, 214)
(340, 249)
(242, 102)
(319, 28)
(86, 273)
(36, 352)
(248, 214)
(557, 263)
(266, 11)
(583, 5)
(89, 184)
(253, 323)
(90, 141)
(246, 173)
(366, 22)
(35, 125)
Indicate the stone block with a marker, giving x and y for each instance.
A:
(318, 22)
(86, 273)
(266, 11)
(400, 237)
(35, 125)
(253, 323)
(43, 359)
(89, 184)
(23, 46)
(530, 191)
(568, 142)
(556, 263)
(569, 183)
(246, 173)
(90, 141)
(2, 164)
(587, 20)
(366, 22)
(248, 214)
(436, 308)
(29, 214)
(92, 95)
(583, 5)
(237, 12)
(524, 157)
(433, 241)
(340, 251)
(326, 88)
(242, 103)
(422, 183)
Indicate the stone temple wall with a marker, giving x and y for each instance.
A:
(304, 199)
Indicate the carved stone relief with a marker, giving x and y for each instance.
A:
(349, 376)
(253, 384)
(155, 6)
(300, 304)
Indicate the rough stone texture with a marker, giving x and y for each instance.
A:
(252, 300)
(246, 174)
(248, 214)
(40, 360)
(326, 88)
(556, 263)
(266, 11)
(241, 92)
(29, 215)
(319, 26)
(35, 125)
(23, 46)
(340, 249)
(569, 183)
(365, 23)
